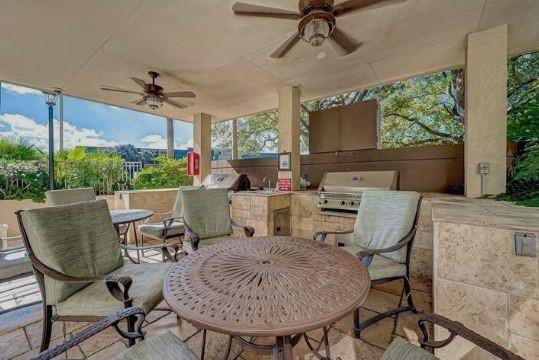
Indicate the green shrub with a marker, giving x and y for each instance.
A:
(23, 180)
(167, 173)
(12, 149)
(101, 170)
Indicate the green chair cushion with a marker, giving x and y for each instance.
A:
(178, 207)
(157, 230)
(207, 212)
(384, 218)
(77, 240)
(96, 300)
(69, 196)
(380, 267)
(401, 349)
(14, 262)
(165, 346)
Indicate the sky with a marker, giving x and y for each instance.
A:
(24, 114)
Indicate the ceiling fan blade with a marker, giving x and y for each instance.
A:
(184, 94)
(112, 88)
(140, 82)
(139, 101)
(342, 43)
(240, 8)
(176, 104)
(286, 46)
(355, 5)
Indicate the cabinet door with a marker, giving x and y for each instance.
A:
(359, 126)
(324, 130)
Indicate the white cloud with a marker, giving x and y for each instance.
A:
(155, 141)
(19, 126)
(20, 89)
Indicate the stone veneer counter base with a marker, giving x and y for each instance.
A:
(479, 281)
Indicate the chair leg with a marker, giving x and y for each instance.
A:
(47, 327)
(131, 328)
(203, 349)
(360, 326)
(357, 329)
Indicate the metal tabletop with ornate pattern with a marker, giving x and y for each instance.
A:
(267, 286)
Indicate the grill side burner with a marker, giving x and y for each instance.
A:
(341, 191)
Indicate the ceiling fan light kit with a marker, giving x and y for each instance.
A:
(153, 102)
(317, 21)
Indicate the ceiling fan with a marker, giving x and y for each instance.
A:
(152, 94)
(317, 21)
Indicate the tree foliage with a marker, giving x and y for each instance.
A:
(18, 149)
(166, 173)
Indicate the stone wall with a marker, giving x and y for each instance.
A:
(479, 281)
(256, 210)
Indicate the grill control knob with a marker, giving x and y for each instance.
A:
(343, 202)
(352, 203)
(325, 201)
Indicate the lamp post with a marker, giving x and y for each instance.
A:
(50, 100)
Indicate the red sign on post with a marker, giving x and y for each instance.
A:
(284, 184)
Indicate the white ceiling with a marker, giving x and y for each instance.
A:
(201, 46)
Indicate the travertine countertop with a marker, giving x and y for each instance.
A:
(485, 212)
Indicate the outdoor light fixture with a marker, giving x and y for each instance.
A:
(316, 32)
(50, 97)
(153, 102)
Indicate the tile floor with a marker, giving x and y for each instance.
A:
(20, 329)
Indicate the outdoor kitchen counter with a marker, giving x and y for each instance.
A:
(477, 278)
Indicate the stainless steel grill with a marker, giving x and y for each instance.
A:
(341, 191)
(234, 182)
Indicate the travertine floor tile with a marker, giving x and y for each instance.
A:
(13, 343)
(215, 345)
(349, 348)
(180, 328)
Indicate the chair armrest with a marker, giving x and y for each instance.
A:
(323, 234)
(457, 328)
(166, 213)
(399, 245)
(163, 247)
(249, 230)
(112, 280)
(95, 328)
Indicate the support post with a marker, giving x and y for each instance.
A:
(234, 139)
(289, 127)
(485, 144)
(170, 138)
(61, 121)
(51, 148)
(202, 144)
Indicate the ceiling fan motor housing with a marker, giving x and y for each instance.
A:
(317, 21)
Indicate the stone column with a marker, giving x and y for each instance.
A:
(61, 120)
(170, 138)
(202, 144)
(486, 111)
(289, 123)
(234, 139)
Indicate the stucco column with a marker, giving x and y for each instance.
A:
(202, 144)
(170, 138)
(289, 123)
(234, 139)
(486, 112)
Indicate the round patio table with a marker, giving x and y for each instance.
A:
(278, 287)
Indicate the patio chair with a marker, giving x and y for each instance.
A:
(401, 349)
(382, 239)
(69, 196)
(206, 217)
(165, 346)
(170, 227)
(13, 261)
(77, 260)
